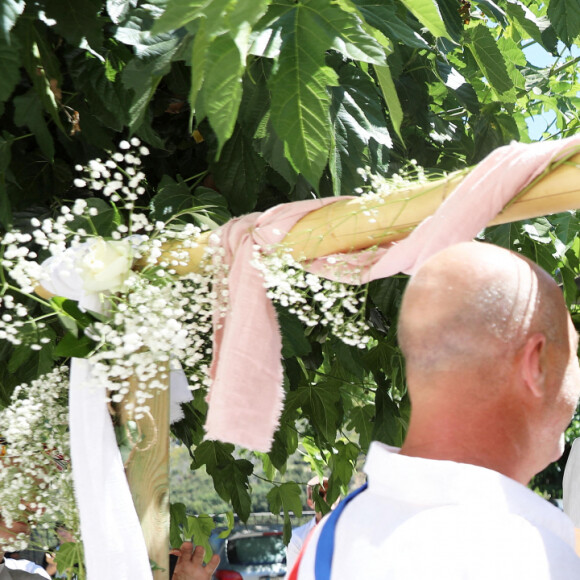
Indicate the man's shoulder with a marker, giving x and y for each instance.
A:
(21, 570)
(478, 542)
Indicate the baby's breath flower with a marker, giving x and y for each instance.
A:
(312, 299)
(34, 473)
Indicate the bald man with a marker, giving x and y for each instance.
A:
(493, 378)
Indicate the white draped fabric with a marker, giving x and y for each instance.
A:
(113, 540)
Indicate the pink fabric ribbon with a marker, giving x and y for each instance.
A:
(246, 396)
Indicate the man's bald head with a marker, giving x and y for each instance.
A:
(473, 303)
(492, 369)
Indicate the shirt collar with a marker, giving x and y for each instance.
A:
(434, 483)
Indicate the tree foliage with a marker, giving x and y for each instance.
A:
(250, 104)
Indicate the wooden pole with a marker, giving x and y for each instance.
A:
(148, 474)
(345, 227)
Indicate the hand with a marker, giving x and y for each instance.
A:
(190, 563)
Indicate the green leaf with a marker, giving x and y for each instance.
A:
(525, 19)
(212, 206)
(108, 100)
(72, 345)
(567, 226)
(154, 56)
(455, 81)
(29, 112)
(178, 13)
(77, 318)
(230, 476)
(286, 497)
(199, 529)
(391, 97)
(230, 525)
(10, 10)
(300, 101)
(319, 402)
(294, 342)
(361, 420)
(178, 519)
(10, 67)
(223, 87)
(77, 19)
(490, 60)
(345, 32)
(514, 57)
(491, 9)
(565, 18)
(570, 288)
(388, 426)
(427, 13)
(239, 172)
(69, 559)
(384, 18)
(171, 198)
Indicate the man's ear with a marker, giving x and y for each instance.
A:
(533, 364)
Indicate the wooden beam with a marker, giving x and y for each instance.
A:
(345, 227)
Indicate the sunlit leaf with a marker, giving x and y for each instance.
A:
(427, 13)
(490, 60)
(565, 17)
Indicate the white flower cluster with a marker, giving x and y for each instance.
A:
(314, 300)
(153, 317)
(35, 477)
(154, 322)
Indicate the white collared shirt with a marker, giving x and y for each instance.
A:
(20, 569)
(427, 519)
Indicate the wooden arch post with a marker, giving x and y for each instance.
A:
(147, 471)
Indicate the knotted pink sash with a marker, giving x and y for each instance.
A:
(246, 397)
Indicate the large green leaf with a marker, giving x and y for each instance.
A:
(565, 17)
(223, 87)
(514, 58)
(300, 100)
(490, 60)
(427, 13)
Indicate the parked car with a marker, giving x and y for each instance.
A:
(251, 554)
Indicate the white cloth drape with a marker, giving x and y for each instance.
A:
(113, 540)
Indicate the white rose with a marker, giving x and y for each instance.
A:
(105, 265)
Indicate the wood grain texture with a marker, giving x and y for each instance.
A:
(148, 475)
